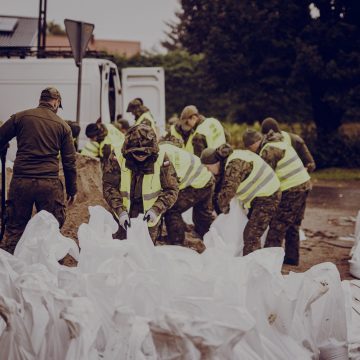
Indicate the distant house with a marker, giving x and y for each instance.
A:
(114, 47)
(18, 32)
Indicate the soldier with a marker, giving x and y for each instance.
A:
(122, 125)
(100, 135)
(41, 135)
(196, 185)
(198, 132)
(294, 184)
(141, 113)
(138, 179)
(243, 174)
(292, 139)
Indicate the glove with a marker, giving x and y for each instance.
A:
(124, 220)
(151, 216)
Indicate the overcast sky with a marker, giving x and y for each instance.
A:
(141, 20)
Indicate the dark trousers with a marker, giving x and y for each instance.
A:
(201, 202)
(286, 224)
(261, 212)
(24, 193)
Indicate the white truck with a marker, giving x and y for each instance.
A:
(103, 94)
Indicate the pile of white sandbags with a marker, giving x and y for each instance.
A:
(354, 262)
(130, 300)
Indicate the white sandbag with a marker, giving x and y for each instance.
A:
(102, 222)
(354, 262)
(187, 216)
(130, 339)
(230, 228)
(15, 343)
(43, 243)
(351, 290)
(329, 314)
(83, 323)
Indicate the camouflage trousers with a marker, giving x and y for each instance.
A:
(286, 224)
(261, 212)
(201, 202)
(45, 194)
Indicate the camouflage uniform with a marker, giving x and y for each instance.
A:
(287, 220)
(140, 137)
(201, 202)
(262, 208)
(41, 136)
(296, 142)
(137, 108)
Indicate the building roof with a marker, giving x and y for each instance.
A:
(17, 31)
(113, 47)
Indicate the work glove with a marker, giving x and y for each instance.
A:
(124, 220)
(150, 216)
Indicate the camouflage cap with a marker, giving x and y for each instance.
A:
(188, 111)
(250, 137)
(140, 138)
(133, 104)
(50, 93)
(269, 124)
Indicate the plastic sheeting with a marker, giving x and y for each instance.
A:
(131, 300)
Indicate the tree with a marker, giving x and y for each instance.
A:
(277, 58)
(55, 29)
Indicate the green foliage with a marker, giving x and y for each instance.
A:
(55, 29)
(336, 174)
(272, 58)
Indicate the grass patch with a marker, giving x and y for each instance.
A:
(336, 174)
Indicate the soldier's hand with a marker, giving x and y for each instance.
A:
(151, 216)
(71, 199)
(124, 220)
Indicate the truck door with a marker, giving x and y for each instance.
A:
(104, 96)
(149, 85)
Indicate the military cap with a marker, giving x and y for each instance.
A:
(50, 93)
(250, 137)
(188, 111)
(209, 156)
(270, 124)
(140, 138)
(133, 104)
(92, 130)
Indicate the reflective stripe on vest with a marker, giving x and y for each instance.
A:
(290, 169)
(151, 185)
(262, 180)
(146, 115)
(188, 167)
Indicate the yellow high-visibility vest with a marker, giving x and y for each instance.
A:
(262, 180)
(91, 148)
(211, 128)
(287, 137)
(146, 115)
(115, 138)
(187, 166)
(151, 185)
(290, 169)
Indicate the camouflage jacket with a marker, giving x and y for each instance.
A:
(228, 182)
(272, 155)
(303, 152)
(111, 185)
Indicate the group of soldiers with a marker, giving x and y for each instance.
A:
(161, 177)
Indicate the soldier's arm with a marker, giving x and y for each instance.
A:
(236, 172)
(7, 132)
(68, 159)
(303, 151)
(170, 187)
(272, 155)
(111, 178)
(199, 144)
